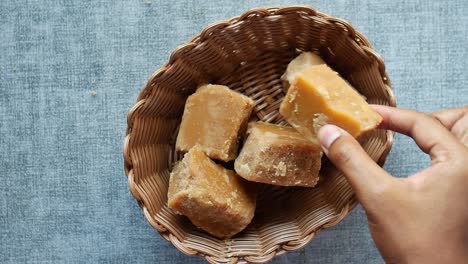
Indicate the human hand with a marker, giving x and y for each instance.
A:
(455, 120)
(422, 218)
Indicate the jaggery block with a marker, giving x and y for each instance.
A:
(278, 155)
(214, 118)
(304, 60)
(320, 96)
(213, 198)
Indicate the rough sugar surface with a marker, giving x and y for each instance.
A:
(278, 155)
(213, 198)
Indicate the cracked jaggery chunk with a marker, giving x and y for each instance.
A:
(304, 60)
(320, 96)
(278, 155)
(214, 118)
(213, 198)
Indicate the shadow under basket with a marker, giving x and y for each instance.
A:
(249, 54)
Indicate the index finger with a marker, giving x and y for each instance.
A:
(429, 134)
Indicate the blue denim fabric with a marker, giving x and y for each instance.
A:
(63, 194)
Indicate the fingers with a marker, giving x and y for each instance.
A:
(460, 130)
(430, 135)
(449, 117)
(364, 175)
(456, 120)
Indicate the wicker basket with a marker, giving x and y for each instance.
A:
(249, 53)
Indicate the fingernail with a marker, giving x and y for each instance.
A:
(327, 135)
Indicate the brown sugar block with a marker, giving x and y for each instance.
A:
(214, 118)
(304, 60)
(278, 155)
(213, 198)
(320, 96)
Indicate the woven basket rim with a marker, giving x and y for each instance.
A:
(199, 39)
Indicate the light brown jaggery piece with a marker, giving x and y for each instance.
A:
(214, 118)
(213, 198)
(304, 60)
(320, 96)
(278, 155)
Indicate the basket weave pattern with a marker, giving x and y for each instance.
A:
(249, 54)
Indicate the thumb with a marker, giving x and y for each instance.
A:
(367, 179)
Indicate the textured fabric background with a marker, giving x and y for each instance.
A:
(63, 194)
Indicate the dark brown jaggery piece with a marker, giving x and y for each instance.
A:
(278, 155)
(213, 198)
